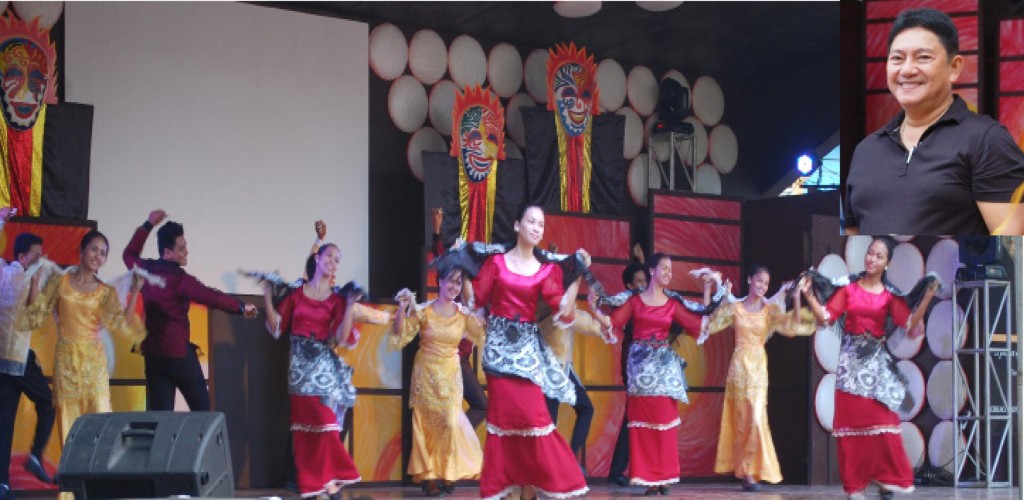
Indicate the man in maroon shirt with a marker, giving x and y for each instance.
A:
(171, 361)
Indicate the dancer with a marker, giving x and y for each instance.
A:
(20, 372)
(316, 317)
(635, 279)
(83, 305)
(523, 450)
(171, 360)
(869, 387)
(656, 379)
(745, 445)
(445, 448)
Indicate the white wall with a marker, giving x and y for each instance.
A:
(245, 123)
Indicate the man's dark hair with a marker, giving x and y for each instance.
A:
(630, 272)
(932, 20)
(167, 235)
(24, 242)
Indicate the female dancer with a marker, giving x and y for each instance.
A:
(745, 445)
(320, 386)
(83, 305)
(869, 387)
(523, 449)
(445, 448)
(656, 379)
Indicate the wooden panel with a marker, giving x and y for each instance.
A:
(698, 434)
(1011, 38)
(697, 239)
(683, 282)
(889, 9)
(675, 204)
(878, 110)
(1011, 76)
(1011, 114)
(603, 238)
(377, 437)
(61, 240)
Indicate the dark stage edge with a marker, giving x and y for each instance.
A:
(712, 491)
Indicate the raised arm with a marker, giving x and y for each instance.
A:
(133, 251)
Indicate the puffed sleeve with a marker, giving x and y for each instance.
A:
(551, 289)
(369, 315)
(782, 322)
(689, 320)
(114, 318)
(410, 327)
(720, 319)
(483, 282)
(899, 310)
(586, 324)
(285, 311)
(476, 330)
(621, 315)
(836, 306)
(35, 314)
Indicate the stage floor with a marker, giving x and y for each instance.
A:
(710, 491)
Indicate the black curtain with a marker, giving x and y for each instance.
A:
(608, 181)
(67, 142)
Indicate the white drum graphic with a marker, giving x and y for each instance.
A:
(424, 139)
(708, 101)
(633, 139)
(708, 180)
(642, 89)
(827, 340)
(913, 443)
(906, 267)
(943, 259)
(407, 103)
(611, 80)
(825, 401)
(940, 330)
(722, 148)
(428, 57)
(833, 266)
(856, 249)
(442, 101)
(535, 75)
(505, 70)
(467, 62)
(940, 387)
(699, 143)
(388, 51)
(940, 446)
(47, 12)
(915, 389)
(637, 179)
(514, 119)
(578, 8)
(904, 346)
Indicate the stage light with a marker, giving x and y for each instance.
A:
(673, 107)
(805, 164)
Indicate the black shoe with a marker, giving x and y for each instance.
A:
(619, 480)
(885, 495)
(653, 490)
(663, 489)
(34, 466)
(5, 492)
(448, 487)
(751, 487)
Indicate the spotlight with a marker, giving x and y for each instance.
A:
(673, 106)
(805, 165)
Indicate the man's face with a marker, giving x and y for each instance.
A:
(639, 281)
(32, 256)
(179, 253)
(23, 81)
(919, 71)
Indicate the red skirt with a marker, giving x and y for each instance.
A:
(653, 440)
(870, 446)
(320, 456)
(523, 447)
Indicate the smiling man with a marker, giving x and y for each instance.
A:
(937, 167)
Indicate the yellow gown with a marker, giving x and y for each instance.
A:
(81, 384)
(745, 445)
(444, 444)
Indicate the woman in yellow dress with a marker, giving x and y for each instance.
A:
(445, 448)
(83, 305)
(745, 445)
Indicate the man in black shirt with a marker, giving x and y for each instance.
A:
(936, 168)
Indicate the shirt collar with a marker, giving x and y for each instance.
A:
(956, 113)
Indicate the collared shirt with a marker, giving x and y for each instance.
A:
(934, 188)
(167, 308)
(14, 344)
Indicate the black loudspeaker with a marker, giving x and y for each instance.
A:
(147, 455)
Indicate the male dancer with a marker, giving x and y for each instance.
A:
(171, 361)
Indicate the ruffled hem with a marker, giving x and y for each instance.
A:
(531, 432)
(896, 489)
(316, 428)
(636, 481)
(540, 491)
(658, 427)
(869, 431)
(340, 483)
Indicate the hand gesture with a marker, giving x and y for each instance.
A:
(321, 229)
(157, 216)
(250, 311)
(789, 287)
(437, 214)
(137, 282)
(727, 285)
(459, 243)
(7, 212)
(585, 256)
(804, 285)
(638, 252)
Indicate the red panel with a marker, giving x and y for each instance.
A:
(604, 429)
(970, 96)
(1011, 38)
(1011, 76)
(879, 109)
(876, 40)
(698, 434)
(60, 242)
(683, 282)
(610, 276)
(967, 28)
(697, 239)
(890, 9)
(875, 76)
(969, 75)
(605, 238)
(696, 207)
(1011, 114)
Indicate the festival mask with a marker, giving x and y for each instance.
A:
(572, 87)
(26, 70)
(478, 132)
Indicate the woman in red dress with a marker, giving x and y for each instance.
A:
(317, 317)
(523, 449)
(869, 387)
(656, 379)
